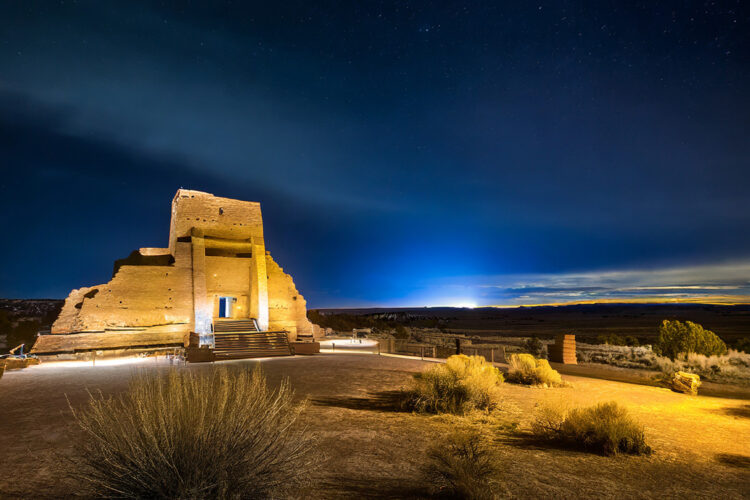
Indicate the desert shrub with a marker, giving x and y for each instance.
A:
(533, 346)
(732, 367)
(743, 345)
(603, 428)
(526, 369)
(676, 338)
(463, 465)
(610, 338)
(460, 384)
(224, 434)
(614, 339)
(400, 332)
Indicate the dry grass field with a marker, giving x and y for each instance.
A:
(369, 449)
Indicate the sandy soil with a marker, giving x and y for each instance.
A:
(702, 444)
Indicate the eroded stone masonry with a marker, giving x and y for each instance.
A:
(216, 266)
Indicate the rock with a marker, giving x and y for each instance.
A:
(686, 383)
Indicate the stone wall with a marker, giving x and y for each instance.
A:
(229, 276)
(214, 216)
(287, 309)
(136, 296)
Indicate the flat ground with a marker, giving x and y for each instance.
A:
(702, 444)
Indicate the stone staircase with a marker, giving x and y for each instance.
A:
(240, 339)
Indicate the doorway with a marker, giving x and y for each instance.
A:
(225, 306)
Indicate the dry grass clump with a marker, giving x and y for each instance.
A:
(603, 428)
(223, 434)
(463, 465)
(733, 367)
(460, 384)
(526, 369)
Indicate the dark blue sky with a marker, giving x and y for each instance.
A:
(405, 153)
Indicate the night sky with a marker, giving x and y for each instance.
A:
(404, 153)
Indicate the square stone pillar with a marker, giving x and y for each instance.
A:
(259, 286)
(203, 307)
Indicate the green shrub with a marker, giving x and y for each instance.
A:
(526, 369)
(460, 384)
(677, 338)
(604, 428)
(743, 345)
(533, 346)
(463, 465)
(401, 333)
(224, 434)
(614, 339)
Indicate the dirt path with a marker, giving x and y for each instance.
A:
(369, 450)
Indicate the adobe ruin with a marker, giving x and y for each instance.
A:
(215, 268)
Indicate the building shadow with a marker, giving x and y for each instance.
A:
(734, 460)
(392, 401)
(738, 411)
(735, 411)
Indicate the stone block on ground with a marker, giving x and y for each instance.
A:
(200, 355)
(563, 350)
(305, 347)
(686, 383)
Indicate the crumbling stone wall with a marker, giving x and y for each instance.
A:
(287, 309)
(216, 248)
(215, 217)
(136, 296)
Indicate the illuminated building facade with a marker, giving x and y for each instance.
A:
(215, 268)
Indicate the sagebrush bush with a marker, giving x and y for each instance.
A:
(604, 428)
(526, 369)
(614, 339)
(463, 465)
(677, 338)
(222, 434)
(460, 384)
(533, 346)
(743, 345)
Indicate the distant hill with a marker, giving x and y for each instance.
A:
(730, 322)
(21, 319)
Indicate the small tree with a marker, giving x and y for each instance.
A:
(533, 346)
(401, 333)
(676, 338)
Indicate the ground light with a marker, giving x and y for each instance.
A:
(130, 360)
